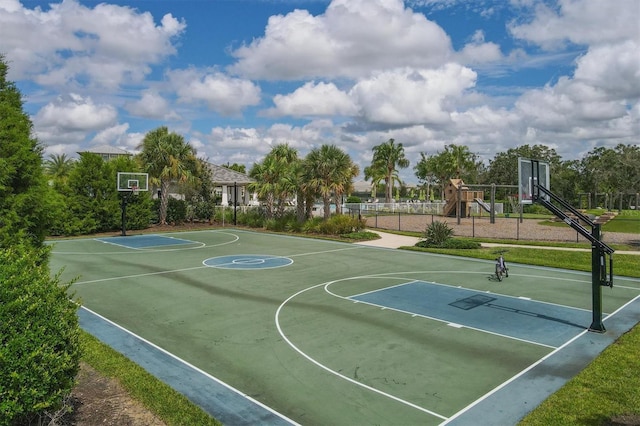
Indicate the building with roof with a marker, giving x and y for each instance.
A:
(107, 152)
(232, 185)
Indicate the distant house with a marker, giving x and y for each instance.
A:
(229, 182)
(107, 152)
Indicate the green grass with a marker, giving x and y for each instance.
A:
(607, 388)
(624, 264)
(626, 224)
(170, 406)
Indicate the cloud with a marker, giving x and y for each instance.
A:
(583, 22)
(225, 95)
(75, 113)
(152, 105)
(71, 44)
(352, 38)
(313, 100)
(408, 96)
(68, 120)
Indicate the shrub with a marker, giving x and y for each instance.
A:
(457, 243)
(312, 226)
(39, 336)
(253, 218)
(437, 233)
(340, 224)
(176, 211)
(352, 199)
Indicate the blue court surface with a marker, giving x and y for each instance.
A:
(517, 318)
(144, 241)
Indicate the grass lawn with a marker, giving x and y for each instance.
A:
(170, 406)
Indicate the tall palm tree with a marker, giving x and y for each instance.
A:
(167, 158)
(276, 178)
(58, 166)
(329, 171)
(461, 160)
(389, 156)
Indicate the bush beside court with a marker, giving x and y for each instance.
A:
(39, 350)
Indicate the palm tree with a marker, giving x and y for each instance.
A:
(276, 178)
(388, 157)
(58, 167)
(329, 170)
(461, 160)
(377, 175)
(167, 157)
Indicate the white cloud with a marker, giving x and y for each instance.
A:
(152, 105)
(223, 94)
(75, 114)
(314, 99)
(352, 38)
(410, 96)
(111, 135)
(615, 69)
(585, 22)
(107, 45)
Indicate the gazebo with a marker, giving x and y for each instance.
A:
(233, 184)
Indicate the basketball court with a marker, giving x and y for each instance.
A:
(261, 328)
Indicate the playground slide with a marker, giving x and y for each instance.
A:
(482, 204)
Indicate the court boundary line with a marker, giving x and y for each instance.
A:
(502, 385)
(153, 248)
(188, 365)
(393, 397)
(335, 373)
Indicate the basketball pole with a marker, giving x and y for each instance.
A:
(598, 248)
(596, 283)
(123, 206)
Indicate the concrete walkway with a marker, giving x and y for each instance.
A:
(388, 240)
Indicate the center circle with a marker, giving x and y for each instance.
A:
(247, 261)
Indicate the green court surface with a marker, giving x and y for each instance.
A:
(273, 329)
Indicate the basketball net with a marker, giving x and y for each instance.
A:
(135, 191)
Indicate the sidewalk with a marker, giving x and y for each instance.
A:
(388, 240)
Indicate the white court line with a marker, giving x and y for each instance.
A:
(496, 389)
(203, 245)
(311, 253)
(191, 366)
(139, 275)
(335, 373)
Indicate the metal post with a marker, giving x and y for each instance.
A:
(492, 213)
(459, 204)
(235, 203)
(123, 206)
(596, 287)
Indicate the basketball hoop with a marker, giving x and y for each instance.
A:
(135, 190)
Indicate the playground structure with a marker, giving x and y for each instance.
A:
(460, 197)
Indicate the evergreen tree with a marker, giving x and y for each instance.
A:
(23, 188)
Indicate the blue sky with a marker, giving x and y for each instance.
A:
(236, 77)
